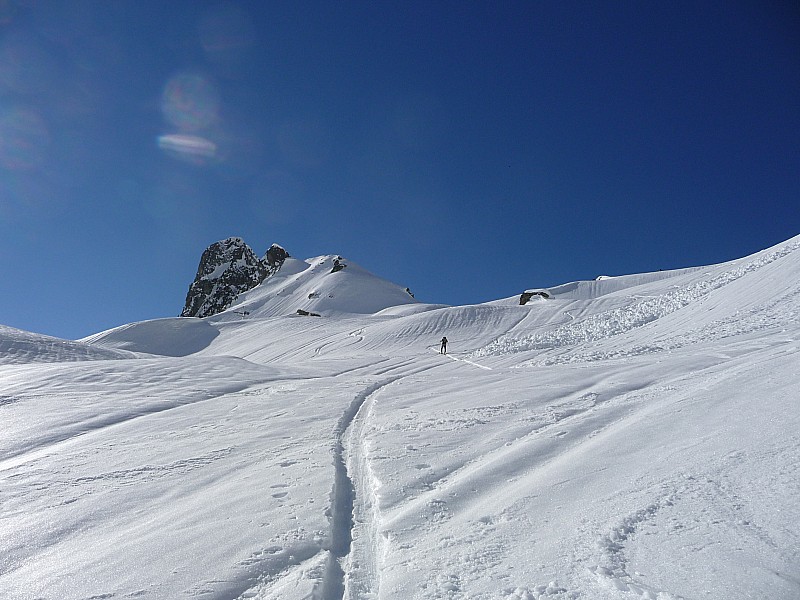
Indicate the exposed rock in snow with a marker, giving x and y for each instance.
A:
(228, 268)
(274, 257)
(338, 265)
(526, 296)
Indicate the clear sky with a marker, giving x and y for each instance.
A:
(468, 150)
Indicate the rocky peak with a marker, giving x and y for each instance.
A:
(274, 257)
(228, 268)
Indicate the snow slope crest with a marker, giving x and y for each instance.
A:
(656, 303)
(326, 285)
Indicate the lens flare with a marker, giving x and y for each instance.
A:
(23, 139)
(192, 148)
(226, 32)
(26, 66)
(190, 102)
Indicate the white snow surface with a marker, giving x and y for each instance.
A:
(630, 437)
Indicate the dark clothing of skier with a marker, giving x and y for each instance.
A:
(444, 346)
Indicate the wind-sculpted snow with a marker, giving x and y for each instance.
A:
(22, 347)
(166, 337)
(635, 314)
(465, 326)
(649, 450)
(771, 315)
(589, 290)
(67, 405)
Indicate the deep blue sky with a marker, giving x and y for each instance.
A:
(467, 150)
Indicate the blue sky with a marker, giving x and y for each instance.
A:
(468, 150)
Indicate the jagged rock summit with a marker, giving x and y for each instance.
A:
(228, 268)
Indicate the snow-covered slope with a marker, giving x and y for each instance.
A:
(312, 285)
(631, 437)
(19, 347)
(166, 337)
(309, 286)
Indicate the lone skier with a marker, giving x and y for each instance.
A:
(443, 350)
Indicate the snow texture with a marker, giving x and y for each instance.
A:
(629, 437)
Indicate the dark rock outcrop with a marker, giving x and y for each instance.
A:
(526, 296)
(228, 268)
(338, 265)
(274, 257)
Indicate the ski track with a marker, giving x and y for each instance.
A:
(368, 548)
(462, 360)
(504, 463)
(333, 583)
(352, 566)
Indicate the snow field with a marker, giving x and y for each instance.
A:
(633, 437)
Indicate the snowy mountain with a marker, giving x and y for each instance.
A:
(629, 437)
(228, 268)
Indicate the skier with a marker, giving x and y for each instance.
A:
(444, 346)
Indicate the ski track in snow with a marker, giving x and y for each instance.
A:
(332, 586)
(343, 460)
(506, 463)
(368, 544)
(353, 566)
(461, 360)
(469, 362)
